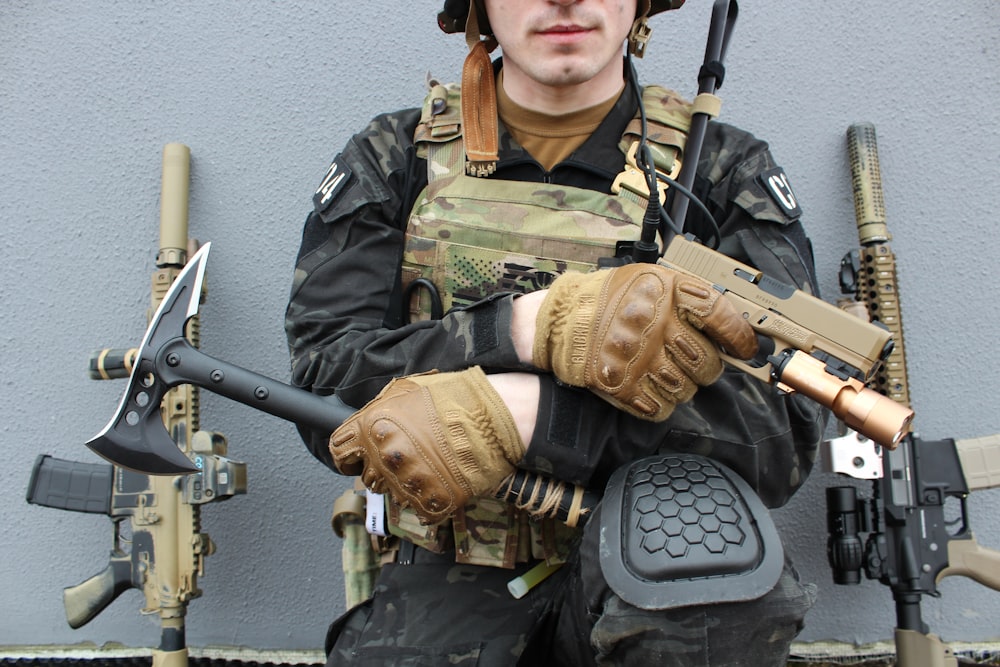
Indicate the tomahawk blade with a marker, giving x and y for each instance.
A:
(136, 437)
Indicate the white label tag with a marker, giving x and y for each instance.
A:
(375, 510)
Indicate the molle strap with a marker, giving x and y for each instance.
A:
(440, 118)
(439, 133)
(668, 117)
(479, 101)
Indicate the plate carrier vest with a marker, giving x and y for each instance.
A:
(473, 237)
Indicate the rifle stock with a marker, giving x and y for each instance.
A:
(980, 459)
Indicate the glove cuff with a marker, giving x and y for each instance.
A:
(483, 440)
(563, 327)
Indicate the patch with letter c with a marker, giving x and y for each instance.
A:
(337, 176)
(775, 181)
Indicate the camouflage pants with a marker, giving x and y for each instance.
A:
(436, 612)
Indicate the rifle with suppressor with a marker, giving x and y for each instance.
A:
(909, 545)
(159, 546)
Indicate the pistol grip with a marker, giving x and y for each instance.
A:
(86, 600)
(968, 559)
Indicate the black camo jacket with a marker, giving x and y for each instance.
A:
(345, 333)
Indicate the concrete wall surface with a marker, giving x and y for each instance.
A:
(265, 94)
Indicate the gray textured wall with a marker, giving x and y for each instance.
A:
(265, 94)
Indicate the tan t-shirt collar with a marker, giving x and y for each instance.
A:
(547, 138)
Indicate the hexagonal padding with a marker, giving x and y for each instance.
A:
(654, 542)
(694, 535)
(677, 548)
(690, 516)
(673, 527)
(650, 522)
(733, 534)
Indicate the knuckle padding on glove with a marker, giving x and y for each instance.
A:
(640, 336)
(431, 441)
(622, 336)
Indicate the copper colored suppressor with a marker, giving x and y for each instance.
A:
(866, 411)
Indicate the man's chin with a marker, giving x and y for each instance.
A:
(567, 75)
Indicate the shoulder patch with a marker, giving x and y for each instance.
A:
(775, 182)
(337, 177)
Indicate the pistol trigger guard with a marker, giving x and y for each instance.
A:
(761, 372)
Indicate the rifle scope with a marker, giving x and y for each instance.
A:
(844, 548)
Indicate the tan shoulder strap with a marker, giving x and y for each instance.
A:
(668, 121)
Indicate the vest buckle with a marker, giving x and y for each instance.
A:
(633, 179)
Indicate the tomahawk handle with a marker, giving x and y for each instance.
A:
(178, 362)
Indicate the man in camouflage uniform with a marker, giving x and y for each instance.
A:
(444, 599)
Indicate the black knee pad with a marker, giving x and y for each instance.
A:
(679, 530)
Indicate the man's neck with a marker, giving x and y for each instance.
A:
(557, 100)
(550, 138)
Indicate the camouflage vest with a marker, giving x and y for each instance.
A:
(472, 237)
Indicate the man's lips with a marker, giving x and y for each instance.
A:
(565, 33)
(563, 29)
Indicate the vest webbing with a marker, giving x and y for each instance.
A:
(475, 236)
(472, 237)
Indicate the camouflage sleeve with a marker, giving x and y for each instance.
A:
(342, 321)
(769, 438)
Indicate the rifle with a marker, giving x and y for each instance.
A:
(909, 547)
(158, 544)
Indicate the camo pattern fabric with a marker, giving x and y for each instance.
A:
(436, 612)
(342, 336)
(453, 240)
(558, 229)
(487, 532)
(493, 533)
(345, 335)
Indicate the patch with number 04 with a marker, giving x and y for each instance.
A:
(337, 177)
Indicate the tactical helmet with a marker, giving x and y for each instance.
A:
(451, 19)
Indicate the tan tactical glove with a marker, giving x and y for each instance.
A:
(641, 336)
(431, 441)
